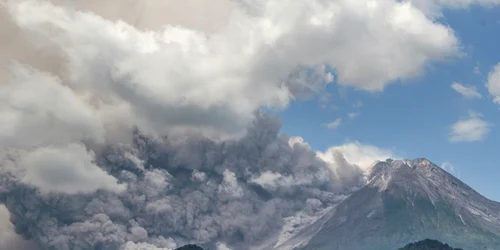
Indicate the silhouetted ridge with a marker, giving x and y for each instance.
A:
(428, 244)
(190, 247)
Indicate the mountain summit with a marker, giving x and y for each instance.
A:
(406, 201)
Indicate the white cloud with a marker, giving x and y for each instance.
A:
(68, 169)
(222, 246)
(477, 70)
(36, 110)
(358, 104)
(335, 124)
(142, 246)
(299, 141)
(352, 159)
(352, 115)
(207, 85)
(473, 128)
(473, 113)
(467, 91)
(493, 83)
(181, 79)
(450, 168)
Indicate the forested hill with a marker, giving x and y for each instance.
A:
(190, 247)
(428, 245)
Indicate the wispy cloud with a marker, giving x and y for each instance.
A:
(493, 83)
(352, 115)
(477, 70)
(358, 104)
(335, 124)
(450, 168)
(474, 128)
(467, 91)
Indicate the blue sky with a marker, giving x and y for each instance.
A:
(413, 118)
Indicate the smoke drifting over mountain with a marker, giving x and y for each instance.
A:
(177, 191)
(123, 134)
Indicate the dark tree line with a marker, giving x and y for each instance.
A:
(190, 247)
(428, 244)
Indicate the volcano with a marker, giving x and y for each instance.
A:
(406, 201)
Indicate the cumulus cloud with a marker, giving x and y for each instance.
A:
(467, 91)
(473, 128)
(493, 83)
(176, 79)
(335, 124)
(180, 79)
(334, 44)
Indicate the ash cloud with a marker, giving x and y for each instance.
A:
(195, 190)
(9, 239)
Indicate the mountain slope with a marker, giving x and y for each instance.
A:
(406, 201)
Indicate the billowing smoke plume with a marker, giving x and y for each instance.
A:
(177, 191)
(122, 133)
(8, 238)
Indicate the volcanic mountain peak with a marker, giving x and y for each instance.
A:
(417, 173)
(406, 201)
(422, 179)
(392, 166)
